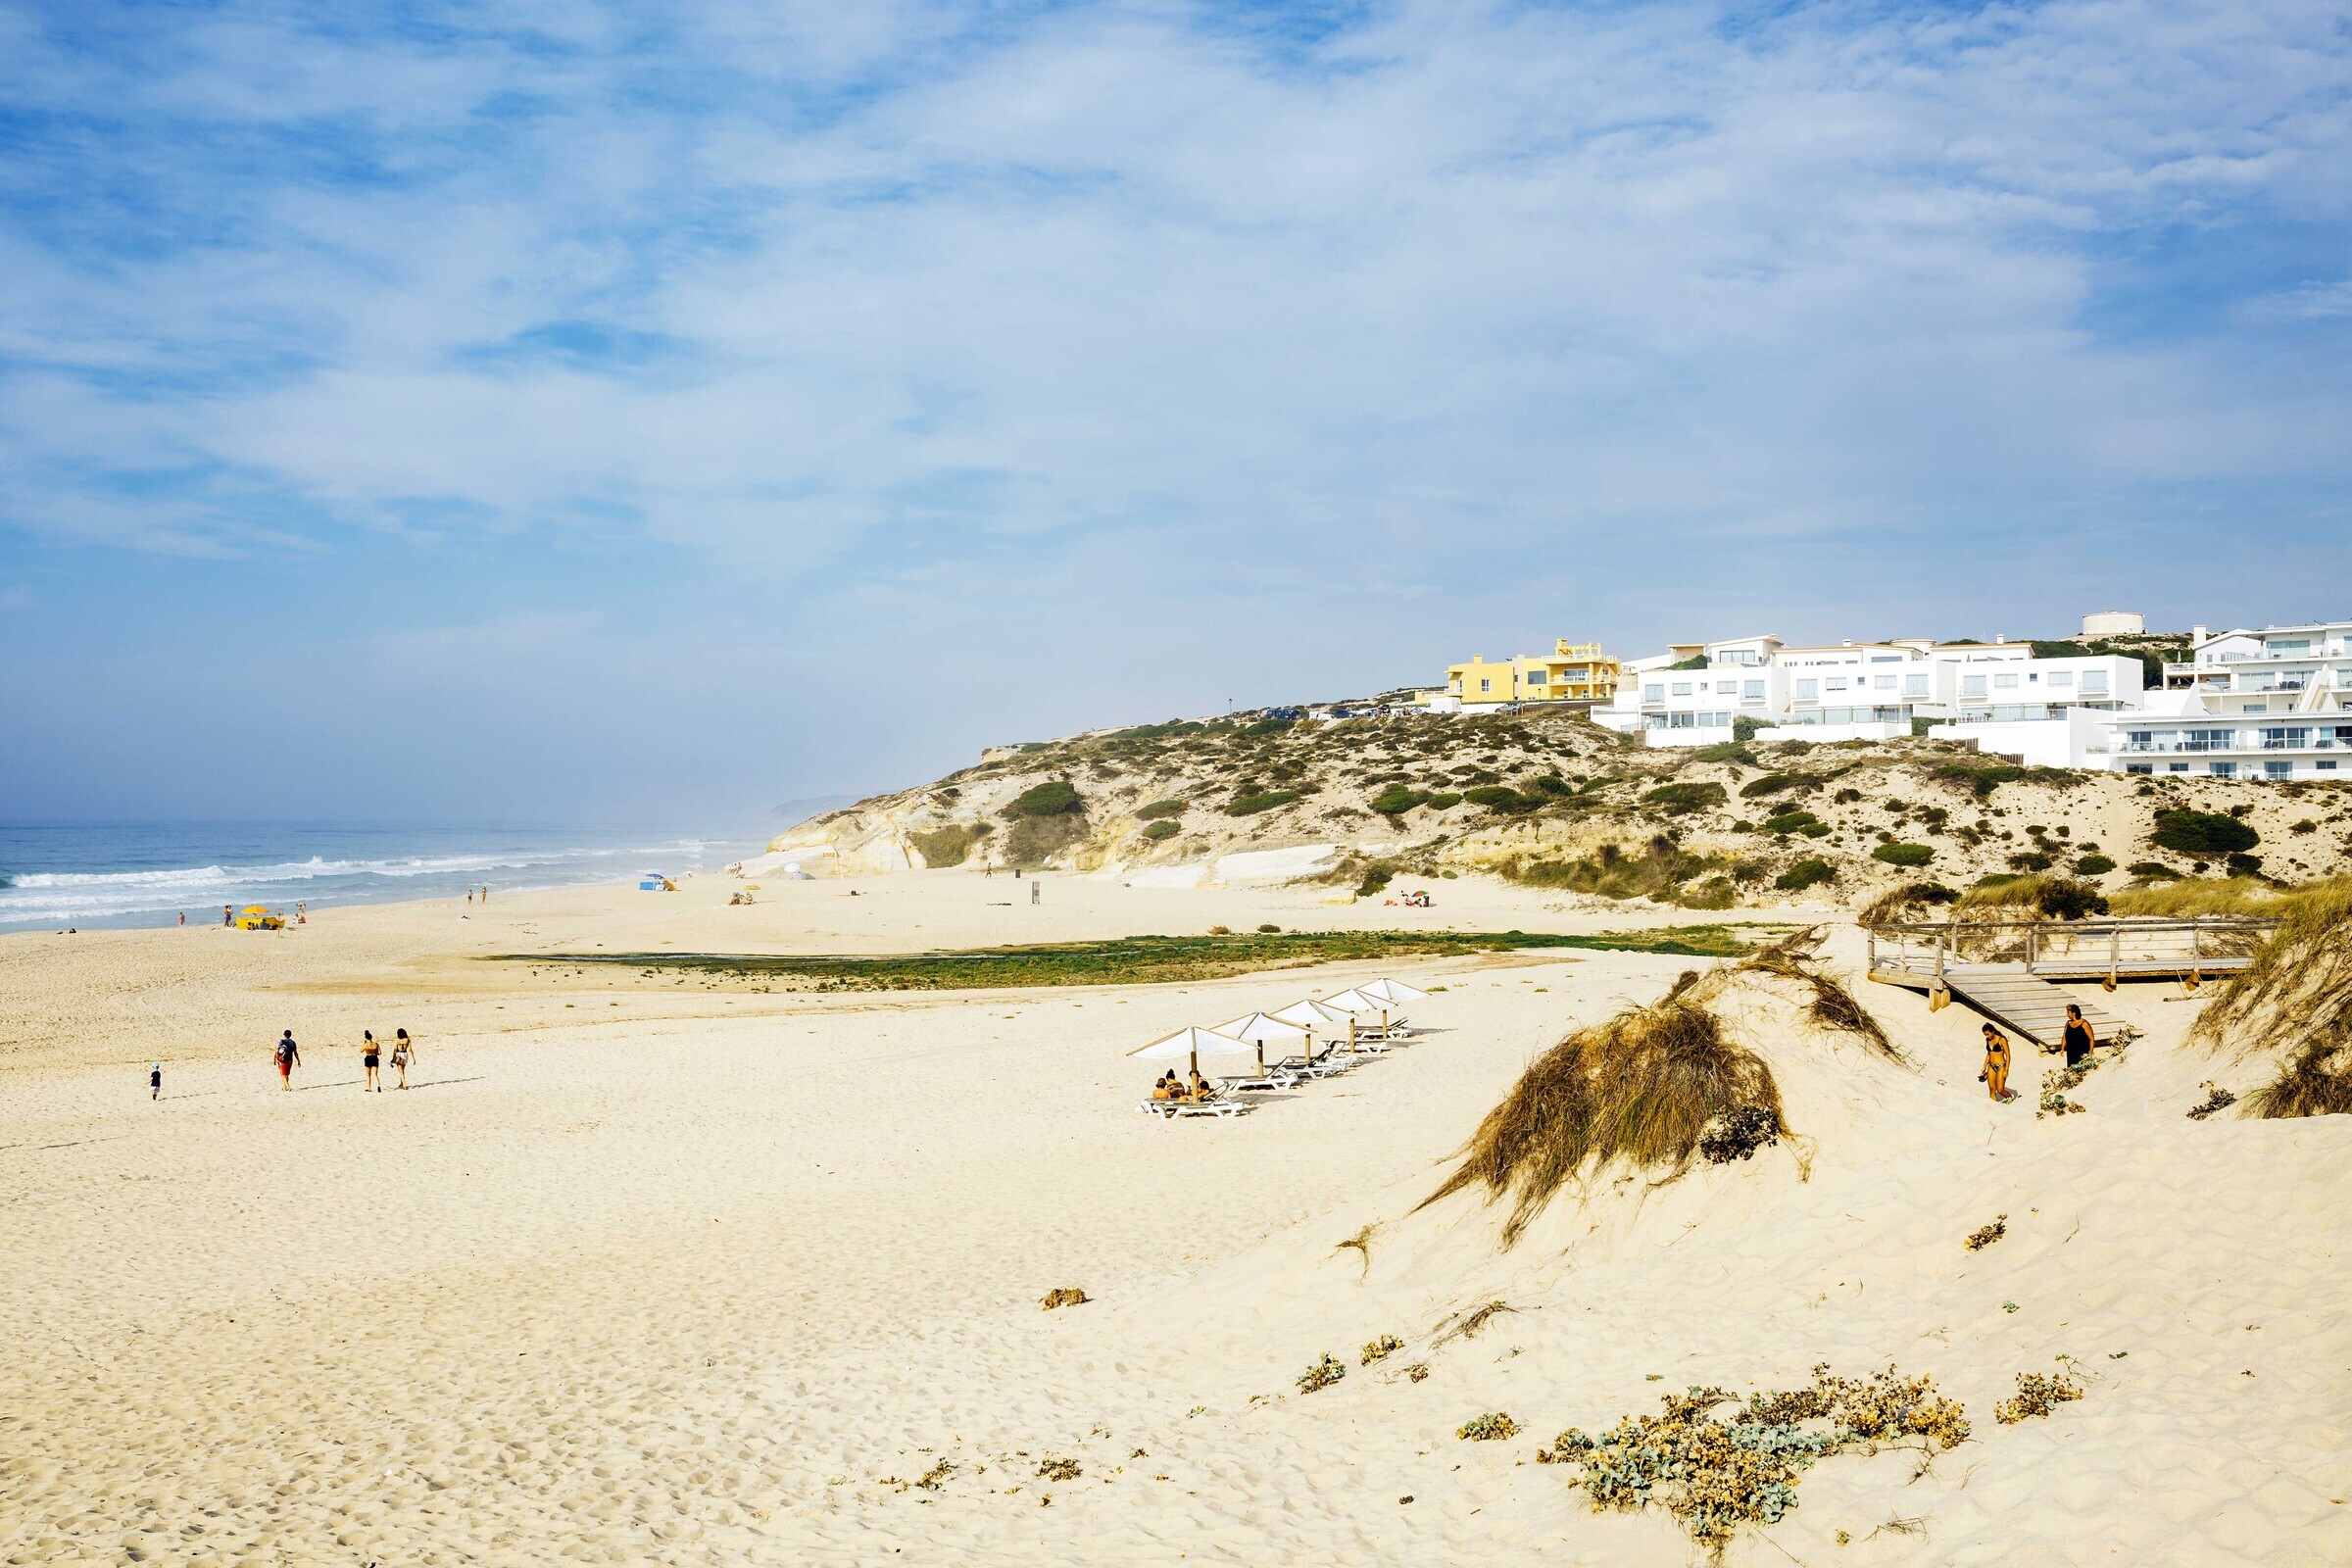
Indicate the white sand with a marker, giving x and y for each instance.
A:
(683, 1280)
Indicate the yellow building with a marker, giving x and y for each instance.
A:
(1572, 673)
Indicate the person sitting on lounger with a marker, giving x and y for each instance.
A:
(1165, 1087)
(1200, 1089)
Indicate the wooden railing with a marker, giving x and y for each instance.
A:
(2202, 944)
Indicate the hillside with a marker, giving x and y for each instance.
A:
(1555, 800)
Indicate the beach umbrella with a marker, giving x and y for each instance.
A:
(1395, 992)
(1257, 1028)
(1189, 1044)
(1308, 1016)
(1353, 1001)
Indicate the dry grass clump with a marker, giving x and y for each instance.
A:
(1832, 1008)
(2229, 895)
(1065, 1295)
(1326, 1371)
(2216, 1099)
(1984, 1236)
(1379, 1349)
(1641, 1087)
(1493, 1427)
(2037, 1396)
(1716, 1475)
(1465, 1325)
(2295, 1002)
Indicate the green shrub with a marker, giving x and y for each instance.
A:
(1502, 798)
(1033, 837)
(2190, 832)
(1162, 830)
(1804, 874)
(2154, 871)
(943, 847)
(1054, 798)
(1979, 778)
(2063, 900)
(1395, 800)
(2094, 865)
(1904, 853)
(1789, 822)
(1161, 808)
(2033, 861)
(1268, 726)
(1773, 784)
(2243, 864)
(1376, 877)
(1552, 784)
(1681, 799)
(1251, 804)
(1725, 752)
(1744, 728)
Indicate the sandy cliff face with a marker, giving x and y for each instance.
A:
(1556, 801)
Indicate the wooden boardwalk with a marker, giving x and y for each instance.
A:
(2030, 1007)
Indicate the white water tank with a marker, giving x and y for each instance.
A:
(2111, 622)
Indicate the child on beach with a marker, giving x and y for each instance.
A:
(403, 1053)
(369, 1060)
(155, 1082)
(1997, 1063)
(289, 1057)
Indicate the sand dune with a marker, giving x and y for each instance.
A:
(714, 1278)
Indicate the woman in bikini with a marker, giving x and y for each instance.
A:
(369, 1058)
(404, 1051)
(1997, 1063)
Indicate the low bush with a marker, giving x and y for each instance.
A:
(1033, 838)
(1774, 784)
(1805, 822)
(1160, 809)
(1906, 855)
(1442, 800)
(1725, 752)
(1395, 800)
(943, 847)
(1162, 830)
(1055, 798)
(1502, 798)
(1376, 877)
(1493, 1427)
(1681, 799)
(1252, 805)
(2185, 831)
(2094, 865)
(2037, 1396)
(2216, 1099)
(1552, 784)
(1977, 778)
(1803, 874)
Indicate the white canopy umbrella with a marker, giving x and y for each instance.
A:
(1189, 1044)
(1360, 1000)
(1393, 991)
(1307, 1014)
(1257, 1028)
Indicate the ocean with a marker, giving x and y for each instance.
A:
(130, 874)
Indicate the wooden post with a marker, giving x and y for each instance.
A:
(2032, 947)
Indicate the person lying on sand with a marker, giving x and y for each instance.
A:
(1996, 1076)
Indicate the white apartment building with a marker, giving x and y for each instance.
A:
(1692, 694)
(2274, 703)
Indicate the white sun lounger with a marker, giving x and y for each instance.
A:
(1172, 1109)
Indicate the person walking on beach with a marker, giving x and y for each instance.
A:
(155, 1081)
(228, 914)
(1997, 1063)
(369, 1059)
(404, 1051)
(289, 1057)
(2079, 1041)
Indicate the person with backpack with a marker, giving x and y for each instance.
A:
(289, 1057)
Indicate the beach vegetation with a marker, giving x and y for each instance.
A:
(2216, 1099)
(1326, 1371)
(2186, 831)
(1397, 800)
(1034, 839)
(1905, 855)
(1494, 1427)
(1380, 1348)
(1377, 877)
(1777, 783)
(1065, 1295)
(1641, 1087)
(1681, 799)
(1160, 809)
(1442, 800)
(1161, 829)
(2037, 1395)
(1737, 1135)
(1715, 1475)
(1898, 902)
(1250, 805)
(1985, 1235)
(943, 847)
(1659, 870)
(1056, 797)
(2095, 864)
(1805, 873)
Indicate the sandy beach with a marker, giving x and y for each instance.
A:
(651, 1270)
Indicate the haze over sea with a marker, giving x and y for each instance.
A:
(146, 873)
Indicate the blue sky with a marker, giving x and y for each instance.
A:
(577, 411)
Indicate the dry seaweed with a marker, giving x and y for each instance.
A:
(1492, 1427)
(1065, 1295)
(1379, 1349)
(1738, 1134)
(1980, 1239)
(1059, 1470)
(2216, 1099)
(1641, 1087)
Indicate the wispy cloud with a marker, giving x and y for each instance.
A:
(1475, 310)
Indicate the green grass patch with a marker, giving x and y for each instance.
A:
(1143, 960)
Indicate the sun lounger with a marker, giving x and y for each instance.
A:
(1274, 1078)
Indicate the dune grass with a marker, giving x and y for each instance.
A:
(2293, 1002)
(2233, 894)
(1640, 1088)
(1833, 1006)
(1142, 960)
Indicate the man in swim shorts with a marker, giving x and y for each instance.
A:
(289, 1057)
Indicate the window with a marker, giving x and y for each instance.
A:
(2094, 680)
(1534, 677)
(1682, 688)
(1884, 683)
(1836, 683)
(2062, 677)
(1807, 690)
(2005, 683)
(2177, 767)
(2326, 766)
(1653, 694)
(1682, 721)
(2222, 769)
(2139, 768)
(1971, 685)
(1752, 690)
(2278, 769)
(1915, 685)
(2285, 737)
(1486, 685)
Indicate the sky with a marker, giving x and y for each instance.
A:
(546, 410)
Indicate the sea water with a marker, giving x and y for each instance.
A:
(150, 873)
